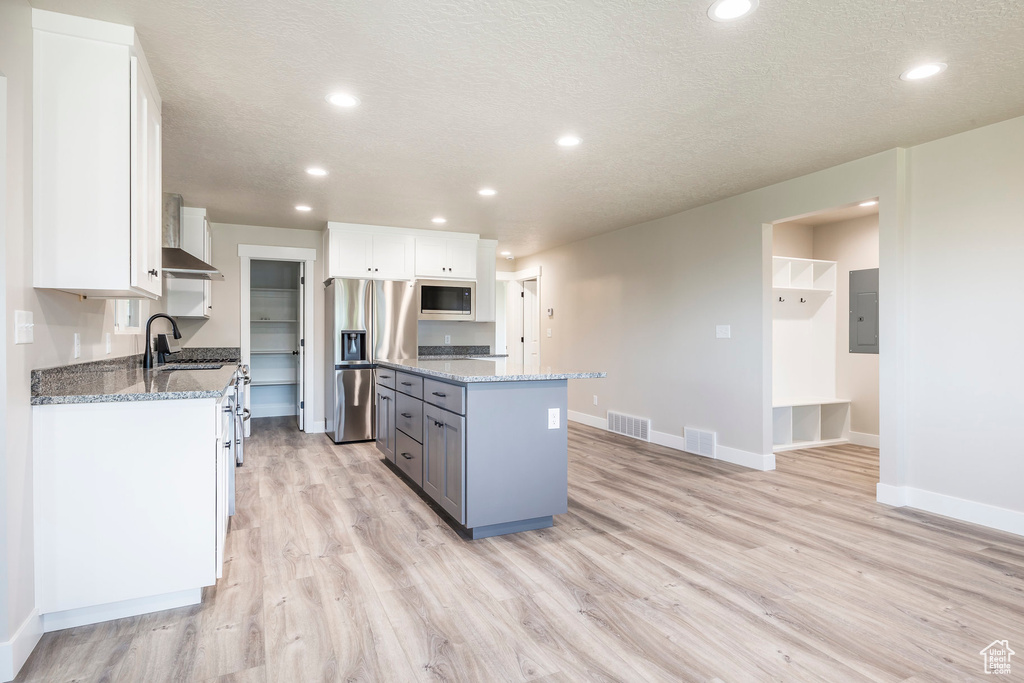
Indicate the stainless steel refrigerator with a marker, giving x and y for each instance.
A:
(366, 320)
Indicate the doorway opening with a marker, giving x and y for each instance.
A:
(825, 372)
(276, 321)
(520, 333)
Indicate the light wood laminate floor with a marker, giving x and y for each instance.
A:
(667, 567)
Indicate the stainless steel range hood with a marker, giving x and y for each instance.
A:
(178, 262)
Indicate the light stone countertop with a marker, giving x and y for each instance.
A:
(123, 379)
(474, 369)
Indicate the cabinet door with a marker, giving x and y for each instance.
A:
(190, 298)
(146, 184)
(454, 492)
(393, 257)
(208, 257)
(385, 438)
(433, 453)
(431, 257)
(462, 259)
(225, 460)
(485, 281)
(350, 254)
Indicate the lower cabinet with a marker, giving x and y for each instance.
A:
(444, 460)
(386, 422)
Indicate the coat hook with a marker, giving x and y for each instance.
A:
(803, 300)
(781, 300)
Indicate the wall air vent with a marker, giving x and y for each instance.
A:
(636, 427)
(699, 442)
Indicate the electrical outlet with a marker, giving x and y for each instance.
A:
(723, 331)
(110, 345)
(595, 399)
(549, 332)
(78, 345)
(553, 418)
(447, 339)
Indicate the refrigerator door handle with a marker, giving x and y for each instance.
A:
(369, 311)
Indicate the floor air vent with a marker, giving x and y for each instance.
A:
(699, 442)
(636, 427)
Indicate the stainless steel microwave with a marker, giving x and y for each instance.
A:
(446, 300)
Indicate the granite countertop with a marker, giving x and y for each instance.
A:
(123, 379)
(476, 369)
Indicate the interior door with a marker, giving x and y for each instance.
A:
(300, 395)
(514, 322)
(531, 327)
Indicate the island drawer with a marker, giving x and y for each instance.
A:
(409, 457)
(447, 396)
(409, 416)
(386, 377)
(410, 384)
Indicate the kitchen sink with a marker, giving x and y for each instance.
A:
(189, 366)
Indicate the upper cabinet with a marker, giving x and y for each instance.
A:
(192, 298)
(446, 258)
(360, 252)
(97, 192)
(486, 272)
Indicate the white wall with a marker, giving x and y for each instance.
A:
(966, 290)
(853, 244)
(642, 304)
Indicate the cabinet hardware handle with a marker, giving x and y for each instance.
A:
(385, 376)
(406, 384)
(227, 444)
(376, 269)
(439, 394)
(407, 416)
(154, 272)
(406, 456)
(367, 270)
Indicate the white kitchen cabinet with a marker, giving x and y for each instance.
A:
(486, 269)
(130, 513)
(192, 298)
(446, 258)
(355, 252)
(97, 190)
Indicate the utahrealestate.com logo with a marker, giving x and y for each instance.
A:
(997, 657)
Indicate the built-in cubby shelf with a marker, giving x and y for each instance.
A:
(805, 411)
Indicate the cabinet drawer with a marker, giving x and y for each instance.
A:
(448, 396)
(409, 416)
(386, 377)
(409, 458)
(410, 384)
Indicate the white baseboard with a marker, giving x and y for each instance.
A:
(863, 439)
(735, 456)
(56, 621)
(14, 652)
(951, 506)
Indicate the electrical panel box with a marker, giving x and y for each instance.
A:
(864, 311)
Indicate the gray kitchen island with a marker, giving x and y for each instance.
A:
(482, 438)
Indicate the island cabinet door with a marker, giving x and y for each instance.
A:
(385, 436)
(433, 452)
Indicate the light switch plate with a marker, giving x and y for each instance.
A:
(23, 327)
(78, 345)
(447, 339)
(553, 417)
(723, 331)
(595, 399)
(110, 346)
(549, 332)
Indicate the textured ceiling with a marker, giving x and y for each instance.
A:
(674, 110)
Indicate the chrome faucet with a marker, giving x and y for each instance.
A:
(147, 359)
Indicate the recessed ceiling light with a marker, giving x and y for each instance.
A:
(303, 207)
(487, 192)
(343, 99)
(506, 253)
(315, 170)
(923, 71)
(439, 220)
(568, 141)
(870, 202)
(730, 10)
